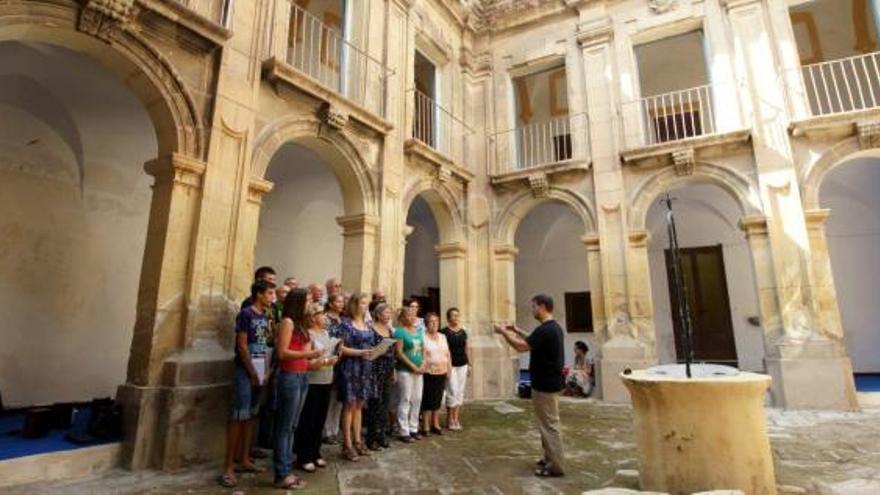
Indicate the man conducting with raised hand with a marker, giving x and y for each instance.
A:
(545, 347)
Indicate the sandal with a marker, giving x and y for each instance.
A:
(227, 481)
(362, 450)
(291, 482)
(545, 472)
(350, 455)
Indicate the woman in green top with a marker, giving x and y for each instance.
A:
(410, 357)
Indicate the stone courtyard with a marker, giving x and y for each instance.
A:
(817, 453)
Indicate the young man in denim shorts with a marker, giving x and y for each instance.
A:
(253, 336)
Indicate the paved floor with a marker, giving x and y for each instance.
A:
(816, 453)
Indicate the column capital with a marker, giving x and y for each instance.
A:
(639, 238)
(176, 169)
(257, 187)
(359, 224)
(754, 225)
(591, 241)
(595, 32)
(505, 252)
(816, 218)
(451, 250)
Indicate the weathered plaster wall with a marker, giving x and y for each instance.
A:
(421, 268)
(298, 233)
(74, 200)
(852, 192)
(552, 260)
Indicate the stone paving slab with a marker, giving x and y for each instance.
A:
(816, 454)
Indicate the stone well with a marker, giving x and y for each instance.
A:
(702, 433)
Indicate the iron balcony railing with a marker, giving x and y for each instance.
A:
(556, 140)
(670, 116)
(218, 11)
(843, 85)
(439, 128)
(320, 52)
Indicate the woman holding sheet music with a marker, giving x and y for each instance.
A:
(357, 383)
(383, 369)
(308, 431)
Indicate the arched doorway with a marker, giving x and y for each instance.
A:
(76, 203)
(421, 273)
(719, 278)
(851, 191)
(552, 259)
(435, 255)
(298, 231)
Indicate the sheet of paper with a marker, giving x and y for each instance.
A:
(380, 349)
(260, 366)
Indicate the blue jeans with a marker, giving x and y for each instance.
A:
(291, 389)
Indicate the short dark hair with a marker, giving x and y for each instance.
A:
(581, 346)
(449, 312)
(543, 300)
(263, 271)
(260, 287)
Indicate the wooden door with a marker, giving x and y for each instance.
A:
(706, 282)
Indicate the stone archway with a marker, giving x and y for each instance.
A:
(178, 168)
(505, 251)
(435, 223)
(358, 217)
(843, 218)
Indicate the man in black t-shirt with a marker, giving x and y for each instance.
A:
(545, 347)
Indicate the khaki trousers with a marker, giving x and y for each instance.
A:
(547, 412)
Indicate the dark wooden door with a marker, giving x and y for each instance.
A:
(706, 282)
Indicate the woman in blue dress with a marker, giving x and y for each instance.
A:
(357, 383)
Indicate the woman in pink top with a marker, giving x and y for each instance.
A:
(436, 364)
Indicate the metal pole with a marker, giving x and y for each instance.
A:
(679, 288)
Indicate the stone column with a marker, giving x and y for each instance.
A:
(358, 251)
(496, 366)
(803, 352)
(452, 258)
(828, 312)
(159, 397)
(626, 345)
(597, 299)
(249, 231)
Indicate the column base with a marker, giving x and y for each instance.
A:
(182, 421)
(811, 381)
(495, 372)
(616, 357)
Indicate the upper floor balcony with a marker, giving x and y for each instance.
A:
(437, 128)
(669, 117)
(317, 57)
(556, 141)
(848, 84)
(838, 79)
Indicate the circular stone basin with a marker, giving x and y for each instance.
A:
(702, 433)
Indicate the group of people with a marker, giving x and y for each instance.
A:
(311, 366)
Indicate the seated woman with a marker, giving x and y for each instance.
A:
(580, 380)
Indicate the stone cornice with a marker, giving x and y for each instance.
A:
(192, 20)
(358, 224)
(505, 252)
(591, 241)
(177, 169)
(452, 250)
(284, 76)
(816, 218)
(594, 32)
(753, 225)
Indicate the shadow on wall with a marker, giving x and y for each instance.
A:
(73, 141)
